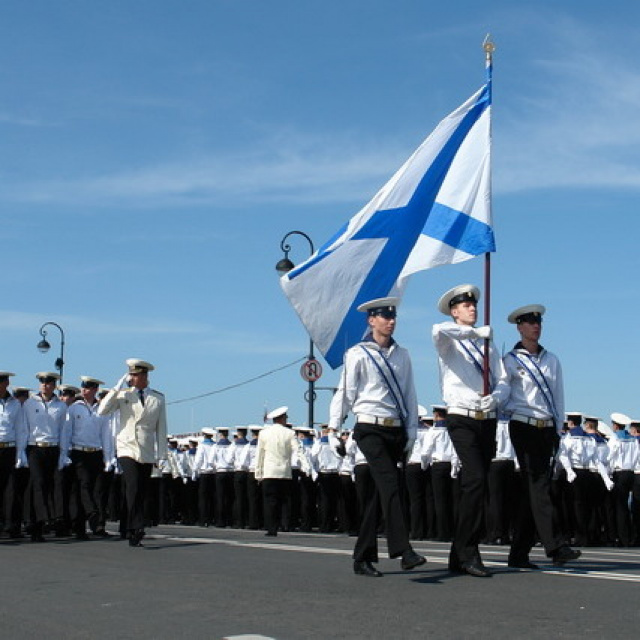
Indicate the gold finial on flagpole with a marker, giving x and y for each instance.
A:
(489, 47)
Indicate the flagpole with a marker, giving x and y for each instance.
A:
(489, 47)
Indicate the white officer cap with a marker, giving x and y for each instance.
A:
(47, 374)
(276, 413)
(621, 419)
(461, 293)
(139, 366)
(6, 374)
(528, 312)
(88, 381)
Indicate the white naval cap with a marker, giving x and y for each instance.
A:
(461, 293)
(621, 419)
(591, 419)
(574, 413)
(208, 431)
(528, 312)
(276, 413)
(69, 388)
(139, 366)
(88, 381)
(380, 305)
(422, 412)
(47, 374)
(6, 374)
(21, 390)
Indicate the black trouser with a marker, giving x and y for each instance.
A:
(622, 487)
(475, 444)
(86, 466)
(170, 490)
(43, 464)
(583, 505)
(308, 509)
(101, 496)
(416, 488)
(383, 448)
(276, 492)
(365, 491)
(241, 503)
(347, 505)
(534, 448)
(255, 502)
(291, 508)
(190, 501)
(443, 499)
(7, 467)
(206, 498)
(136, 477)
(224, 498)
(328, 488)
(500, 500)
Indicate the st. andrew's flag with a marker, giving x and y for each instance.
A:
(435, 210)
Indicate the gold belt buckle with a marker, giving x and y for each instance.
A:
(540, 424)
(479, 415)
(388, 422)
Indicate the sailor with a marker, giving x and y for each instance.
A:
(140, 440)
(416, 482)
(170, 483)
(205, 472)
(253, 487)
(241, 452)
(536, 412)
(88, 443)
(223, 462)
(471, 415)
(308, 492)
(12, 434)
(44, 415)
(624, 457)
(68, 393)
(273, 466)
(439, 456)
(377, 386)
(327, 462)
(347, 499)
(190, 483)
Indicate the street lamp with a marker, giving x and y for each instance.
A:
(44, 346)
(283, 266)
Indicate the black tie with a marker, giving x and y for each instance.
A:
(141, 394)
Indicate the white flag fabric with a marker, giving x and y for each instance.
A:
(435, 210)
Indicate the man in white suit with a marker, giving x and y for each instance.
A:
(140, 440)
(273, 466)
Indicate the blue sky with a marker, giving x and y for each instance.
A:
(154, 153)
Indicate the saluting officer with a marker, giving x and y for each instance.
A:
(140, 439)
(471, 416)
(377, 386)
(536, 413)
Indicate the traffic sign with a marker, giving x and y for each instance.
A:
(311, 370)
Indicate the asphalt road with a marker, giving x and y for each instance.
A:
(189, 582)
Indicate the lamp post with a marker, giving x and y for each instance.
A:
(44, 346)
(283, 266)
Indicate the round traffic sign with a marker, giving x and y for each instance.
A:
(311, 370)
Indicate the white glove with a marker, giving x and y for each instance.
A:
(408, 448)
(63, 461)
(108, 466)
(571, 475)
(454, 470)
(486, 332)
(185, 480)
(609, 484)
(22, 462)
(123, 382)
(488, 403)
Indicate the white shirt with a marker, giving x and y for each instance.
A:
(437, 446)
(204, 462)
(44, 420)
(363, 390)
(537, 389)
(12, 421)
(324, 455)
(85, 428)
(241, 453)
(624, 454)
(460, 353)
(418, 445)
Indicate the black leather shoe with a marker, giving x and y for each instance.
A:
(476, 569)
(565, 554)
(411, 560)
(522, 564)
(135, 538)
(366, 569)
